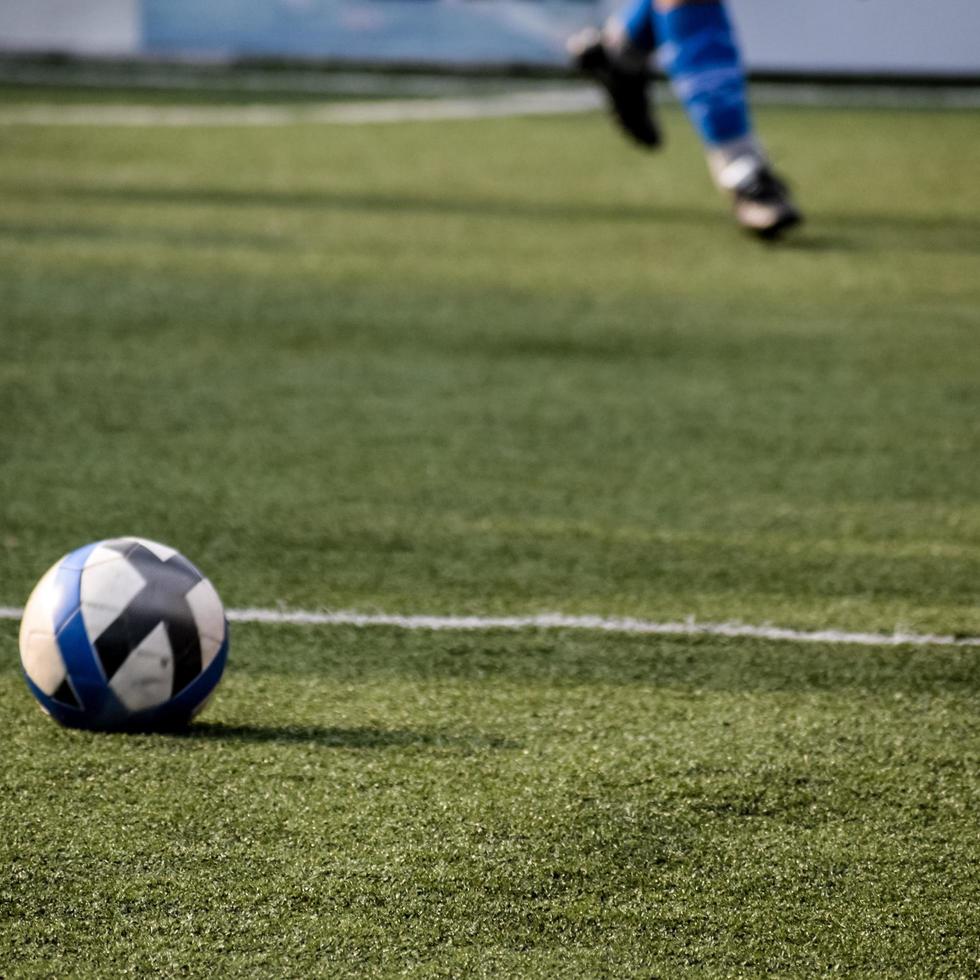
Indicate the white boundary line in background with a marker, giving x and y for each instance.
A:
(551, 101)
(593, 624)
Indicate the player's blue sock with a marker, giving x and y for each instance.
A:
(637, 21)
(699, 54)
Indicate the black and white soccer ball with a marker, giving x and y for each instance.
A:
(123, 634)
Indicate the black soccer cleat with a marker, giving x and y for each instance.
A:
(627, 90)
(763, 204)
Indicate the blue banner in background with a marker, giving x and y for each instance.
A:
(449, 31)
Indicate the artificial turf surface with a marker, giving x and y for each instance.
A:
(484, 367)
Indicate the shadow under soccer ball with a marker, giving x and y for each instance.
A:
(345, 738)
(123, 635)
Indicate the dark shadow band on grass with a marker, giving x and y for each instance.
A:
(110, 234)
(383, 202)
(338, 738)
(837, 231)
(327, 198)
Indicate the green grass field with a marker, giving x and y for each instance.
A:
(485, 367)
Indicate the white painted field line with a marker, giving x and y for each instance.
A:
(593, 624)
(550, 102)
(555, 100)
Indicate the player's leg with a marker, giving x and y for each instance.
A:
(700, 55)
(618, 58)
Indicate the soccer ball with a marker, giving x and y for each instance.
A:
(123, 634)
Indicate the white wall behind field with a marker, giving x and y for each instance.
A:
(869, 36)
(97, 27)
(858, 36)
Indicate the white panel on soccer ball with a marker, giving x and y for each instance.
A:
(42, 604)
(99, 555)
(162, 552)
(147, 675)
(42, 661)
(115, 580)
(209, 615)
(39, 651)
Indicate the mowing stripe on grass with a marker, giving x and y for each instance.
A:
(594, 624)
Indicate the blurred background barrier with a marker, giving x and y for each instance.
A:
(885, 37)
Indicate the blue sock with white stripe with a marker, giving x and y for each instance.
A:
(699, 54)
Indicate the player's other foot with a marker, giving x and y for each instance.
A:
(761, 201)
(627, 87)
